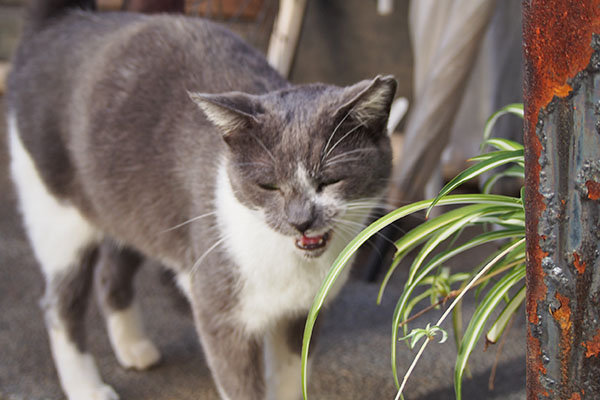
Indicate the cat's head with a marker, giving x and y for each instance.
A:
(312, 159)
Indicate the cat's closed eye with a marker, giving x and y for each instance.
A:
(268, 186)
(328, 182)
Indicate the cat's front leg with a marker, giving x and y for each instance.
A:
(283, 347)
(235, 357)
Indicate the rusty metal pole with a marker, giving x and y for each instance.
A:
(562, 160)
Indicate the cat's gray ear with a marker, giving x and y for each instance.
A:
(370, 102)
(230, 112)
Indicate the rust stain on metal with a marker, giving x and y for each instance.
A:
(579, 265)
(535, 281)
(593, 188)
(563, 316)
(593, 346)
(562, 90)
(557, 37)
(534, 349)
(575, 396)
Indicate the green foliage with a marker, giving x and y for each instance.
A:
(496, 276)
(429, 332)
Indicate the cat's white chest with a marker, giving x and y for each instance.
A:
(276, 279)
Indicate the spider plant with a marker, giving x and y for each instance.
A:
(499, 218)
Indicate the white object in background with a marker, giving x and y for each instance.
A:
(285, 35)
(446, 36)
(398, 111)
(385, 7)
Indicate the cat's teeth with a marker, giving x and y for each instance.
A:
(309, 243)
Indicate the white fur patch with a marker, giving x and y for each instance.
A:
(184, 282)
(276, 278)
(282, 369)
(79, 376)
(57, 231)
(304, 179)
(129, 341)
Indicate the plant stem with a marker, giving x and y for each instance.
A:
(499, 352)
(499, 271)
(412, 366)
(477, 278)
(451, 295)
(455, 293)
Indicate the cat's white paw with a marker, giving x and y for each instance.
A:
(130, 343)
(138, 355)
(96, 392)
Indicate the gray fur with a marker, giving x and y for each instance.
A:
(67, 297)
(295, 334)
(127, 118)
(115, 271)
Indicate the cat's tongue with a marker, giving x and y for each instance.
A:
(312, 242)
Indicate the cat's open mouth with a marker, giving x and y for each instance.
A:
(312, 243)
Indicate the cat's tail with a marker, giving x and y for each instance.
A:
(41, 12)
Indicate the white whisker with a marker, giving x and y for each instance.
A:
(376, 205)
(330, 163)
(264, 147)
(253, 164)
(346, 236)
(361, 205)
(355, 228)
(343, 137)
(188, 221)
(362, 214)
(347, 153)
(333, 134)
(349, 225)
(374, 247)
(373, 200)
(349, 234)
(203, 256)
(363, 150)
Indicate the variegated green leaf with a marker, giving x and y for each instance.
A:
(516, 171)
(516, 109)
(421, 233)
(505, 316)
(478, 321)
(476, 170)
(503, 144)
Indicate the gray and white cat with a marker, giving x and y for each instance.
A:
(167, 137)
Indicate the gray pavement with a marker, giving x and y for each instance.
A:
(351, 358)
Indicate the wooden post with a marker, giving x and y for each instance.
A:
(285, 35)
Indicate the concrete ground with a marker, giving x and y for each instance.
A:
(351, 359)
